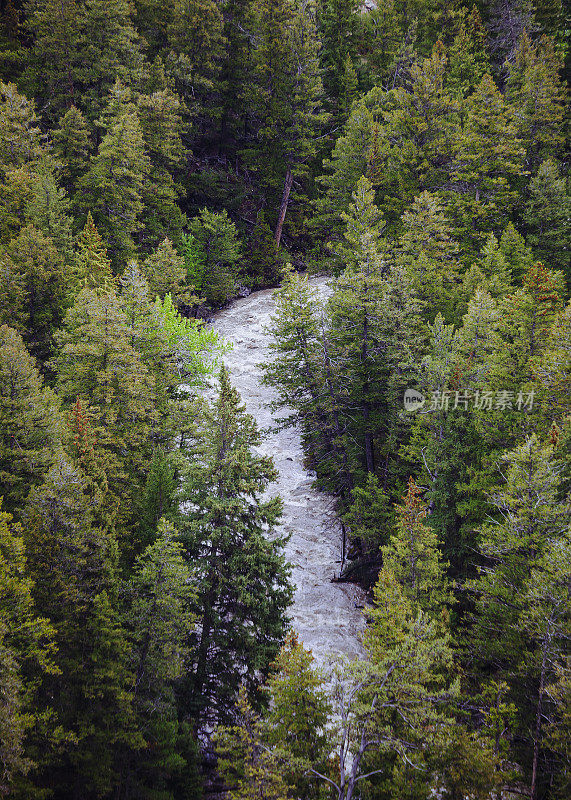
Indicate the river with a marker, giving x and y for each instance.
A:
(324, 614)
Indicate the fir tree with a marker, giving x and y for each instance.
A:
(91, 266)
(166, 274)
(34, 269)
(73, 565)
(158, 620)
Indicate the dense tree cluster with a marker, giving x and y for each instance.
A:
(154, 157)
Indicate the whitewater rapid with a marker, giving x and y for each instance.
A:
(325, 615)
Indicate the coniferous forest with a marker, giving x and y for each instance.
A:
(159, 158)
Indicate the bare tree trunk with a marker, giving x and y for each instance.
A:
(283, 206)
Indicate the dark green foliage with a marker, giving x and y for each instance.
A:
(241, 576)
(214, 256)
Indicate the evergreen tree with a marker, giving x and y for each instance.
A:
(488, 157)
(413, 556)
(38, 288)
(72, 145)
(288, 97)
(159, 621)
(261, 259)
(112, 189)
(166, 274)
(196, 39)
(91, 266)
(73, 565)
(26, 652)
(219, 248)
(241, 575)
(160, 114)
(295, 724)
(97, 363)
(430, 255)
(29, 422)
(547, 217)
(536, 94)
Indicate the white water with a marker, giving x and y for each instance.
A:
(323, 613)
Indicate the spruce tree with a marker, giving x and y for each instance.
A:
(288, 98)
(488, 156)
(242, 579)
(159, 621)
(217, 243)
(91, 266)
(165, 271)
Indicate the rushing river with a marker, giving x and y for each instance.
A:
(325, 614)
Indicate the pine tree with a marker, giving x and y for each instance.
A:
(161, 117)
(72, 145)
(241, 575)
(261, 258)
(112, 189)
(219, 247)
(34, 269)
(288, 97)
(73, 565)
(196, 39)
(295, 724)
(413, 556)
(488, 157)
(430, 255)
(91, 266)
(469, 60)
(54, 68)
(97, 363)
(159, 621)
(339, 29)
(537, 96)
(166, 274)
(516, 593)
(20, 136)
(158, 501)
(547, 217)
(244, 760)
(29, 422)
(26, 652)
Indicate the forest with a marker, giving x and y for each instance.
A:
(160, 158)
